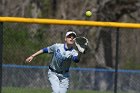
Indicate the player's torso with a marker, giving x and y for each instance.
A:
(61, 58)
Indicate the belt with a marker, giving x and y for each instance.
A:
(59, 72)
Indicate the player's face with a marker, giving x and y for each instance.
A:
(70, 39)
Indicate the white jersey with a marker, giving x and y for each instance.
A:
(62, 57)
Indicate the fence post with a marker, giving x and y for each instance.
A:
(1, 48)
(116, 61)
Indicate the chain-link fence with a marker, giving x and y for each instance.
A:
(21, 40)
(18, 76)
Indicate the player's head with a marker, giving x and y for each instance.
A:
(69, 38)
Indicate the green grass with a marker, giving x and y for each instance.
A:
(24, 90)
(37, 90)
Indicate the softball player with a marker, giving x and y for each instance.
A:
(63, 55)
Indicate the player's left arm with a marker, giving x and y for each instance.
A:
(76, 57)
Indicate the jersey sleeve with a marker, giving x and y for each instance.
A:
(49, 49)
(75, 57)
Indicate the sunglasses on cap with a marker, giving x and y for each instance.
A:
(71, 35)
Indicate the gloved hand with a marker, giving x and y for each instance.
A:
(81, 44)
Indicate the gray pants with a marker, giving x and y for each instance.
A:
(59, 82)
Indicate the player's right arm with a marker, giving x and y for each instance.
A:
(29, 59)
(49, 49)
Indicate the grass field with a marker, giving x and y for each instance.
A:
(36, 90)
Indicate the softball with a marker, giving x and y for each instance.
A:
(88, 13)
